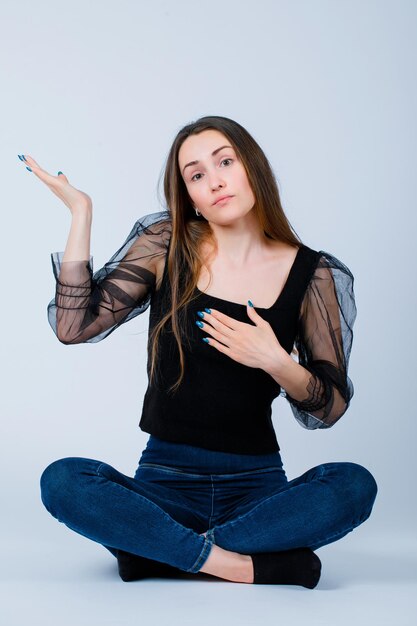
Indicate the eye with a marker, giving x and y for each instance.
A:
(222, 161)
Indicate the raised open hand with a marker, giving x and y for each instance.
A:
(73, 198)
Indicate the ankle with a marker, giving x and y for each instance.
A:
(228, 565)
(247, 569)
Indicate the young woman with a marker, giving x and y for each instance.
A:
(232, 290)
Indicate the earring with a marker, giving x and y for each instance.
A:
(197, 212)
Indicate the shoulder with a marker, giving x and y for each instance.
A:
(327, 279)
(156, 230)
(325, 264)
(331, 282)
(151, 234)
(154, 224)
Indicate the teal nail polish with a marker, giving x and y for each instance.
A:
(21, 158)
(200, 324)
(250, 303)
(59, 173)
(205, 339)
(207, 310)
(24, 158)
(28, 168)
(200, 313)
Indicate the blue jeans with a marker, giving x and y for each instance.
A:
(245, 502)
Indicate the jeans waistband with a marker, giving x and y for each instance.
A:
(200, 460)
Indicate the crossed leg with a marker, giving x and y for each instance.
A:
(318, 507)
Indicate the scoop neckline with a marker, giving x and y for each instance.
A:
(261, 308)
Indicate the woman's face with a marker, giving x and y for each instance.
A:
(215, 173)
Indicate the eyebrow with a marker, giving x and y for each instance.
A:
(212, 154)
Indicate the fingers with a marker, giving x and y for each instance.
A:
(73, 198)
(47, 178)
(223, 322)
(27, 160)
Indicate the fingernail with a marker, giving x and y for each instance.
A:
(250, 303)
(28, 168)
(200, 313)
(205, 339)
(24, 158)
(207, 310)
(59, 173)
(200, 324)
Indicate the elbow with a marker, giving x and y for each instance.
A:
(337, 404)
(324, 418)
(64, 339)
(63, 330)
(60, 335)
(331, 407)
(67, 339)
(68, 336)
(330, 421)
(70, 341)
(341, 403)
(335, 414)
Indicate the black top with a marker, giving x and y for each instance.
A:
(220, 404)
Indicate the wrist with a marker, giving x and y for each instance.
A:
(278, 363)
(81, 213)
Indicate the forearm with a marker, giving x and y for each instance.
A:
(303, 386)
(78, 244)
(73, 289)
(290, 375)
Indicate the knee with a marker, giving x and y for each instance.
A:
(363, 488)
(56, 481)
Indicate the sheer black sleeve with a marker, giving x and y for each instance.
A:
(88, 306)
(324, 342)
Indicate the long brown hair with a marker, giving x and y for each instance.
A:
(189, 231)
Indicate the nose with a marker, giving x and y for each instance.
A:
(216, 180)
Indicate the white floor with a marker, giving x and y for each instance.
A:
(367, 578)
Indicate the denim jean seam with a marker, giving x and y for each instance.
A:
(202, 556)
(98, 468)
(212, 501)
(172, 470)
(169, 470)
(264, 470)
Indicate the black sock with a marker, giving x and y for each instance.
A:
(135, 567)
(298, 566)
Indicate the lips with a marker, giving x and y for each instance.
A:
(222, 198)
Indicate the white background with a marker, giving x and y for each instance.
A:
(99, 90)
